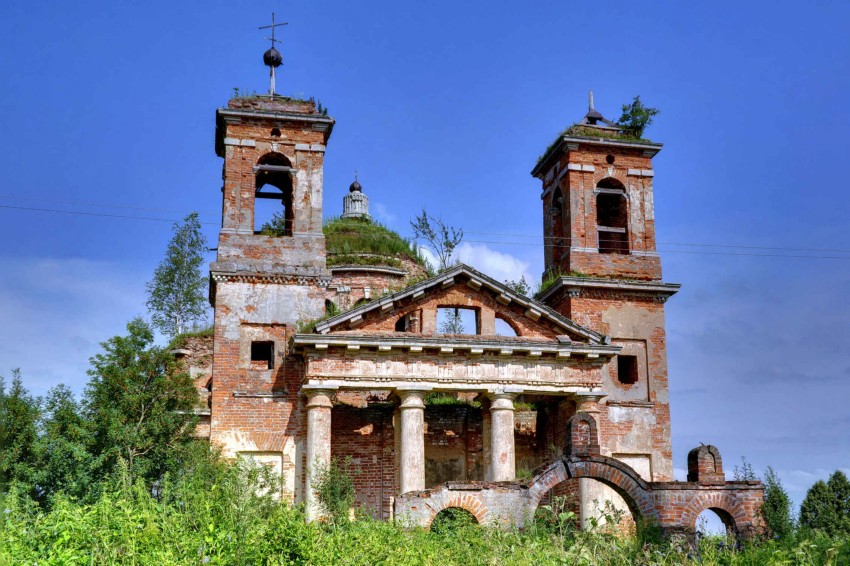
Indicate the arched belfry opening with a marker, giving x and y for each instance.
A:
(273, 182)
(612, 217)
(560, 225)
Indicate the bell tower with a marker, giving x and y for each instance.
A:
(598, 215)
(603, 271)
(269, 275)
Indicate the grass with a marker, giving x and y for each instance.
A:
(577, 130)
(352, 237)
(217, 512)
(550, 276)
(362, 259)
(180, 340)
(438, 398)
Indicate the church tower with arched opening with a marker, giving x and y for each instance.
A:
(603, 271)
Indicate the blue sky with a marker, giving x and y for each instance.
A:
(108, 109)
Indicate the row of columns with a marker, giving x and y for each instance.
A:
(501, 467)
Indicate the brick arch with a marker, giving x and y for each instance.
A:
(460, 500)
(618, 476)
(726, 506)
(545, 479)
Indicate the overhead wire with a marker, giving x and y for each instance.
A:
(491, 242)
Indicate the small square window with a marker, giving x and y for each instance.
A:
(627, 369)
(262, 355)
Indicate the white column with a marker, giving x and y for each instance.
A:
(502, 453)
(318, 442)
(412, 453)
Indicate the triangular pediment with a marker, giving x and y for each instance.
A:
(464, 287)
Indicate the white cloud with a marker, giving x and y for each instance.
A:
(498, 265)
(382, 212)
(56, 312)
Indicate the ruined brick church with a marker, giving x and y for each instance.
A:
(322, 353)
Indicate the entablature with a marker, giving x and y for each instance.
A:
(561, 348)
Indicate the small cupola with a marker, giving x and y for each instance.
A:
(355, 204)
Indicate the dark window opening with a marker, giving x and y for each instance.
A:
(560, 225)
(458, 320)
(330, 308)
(627, 369)
(273, 211)
(609, 159)
(262, 355)
(275, 132)
(612, 219)
(402, 324)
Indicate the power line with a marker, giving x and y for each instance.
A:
(498, 242)
(102, 214)
(99, 205)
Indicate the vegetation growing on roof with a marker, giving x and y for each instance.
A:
(554, 274)
(635, 119)
(363, 259)
(371, 241)
(180, 340)
(252, 95)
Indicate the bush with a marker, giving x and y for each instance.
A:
(334, 488)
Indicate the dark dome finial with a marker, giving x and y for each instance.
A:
(272, 58)
(355, 187)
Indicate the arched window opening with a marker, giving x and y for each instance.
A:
(505, 328)
(452, 519)
(715, 523)
(273, 185)
(560, 225)
(612, 217)
(458, 320)
(403, 324)
(331, 308)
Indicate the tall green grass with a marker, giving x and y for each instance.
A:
(220, 513)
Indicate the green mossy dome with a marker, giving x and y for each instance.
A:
(360, 241)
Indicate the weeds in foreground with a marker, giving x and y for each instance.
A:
(219, 513)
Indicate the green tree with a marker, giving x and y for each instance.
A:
(452, 323)
(827, 506)
(520, 286)
(19, 415)
(64, 459)
(636, 118)
(776, 509)
(139, 403)
(176, 294)
(440, 238)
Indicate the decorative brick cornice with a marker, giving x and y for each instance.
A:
(584, 286)
(279, 278)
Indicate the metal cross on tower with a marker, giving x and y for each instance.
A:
(272, 58)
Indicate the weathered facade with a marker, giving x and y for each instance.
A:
(432, 419)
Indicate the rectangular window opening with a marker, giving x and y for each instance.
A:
(262, 355)
(458, 320)
(627, 369)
